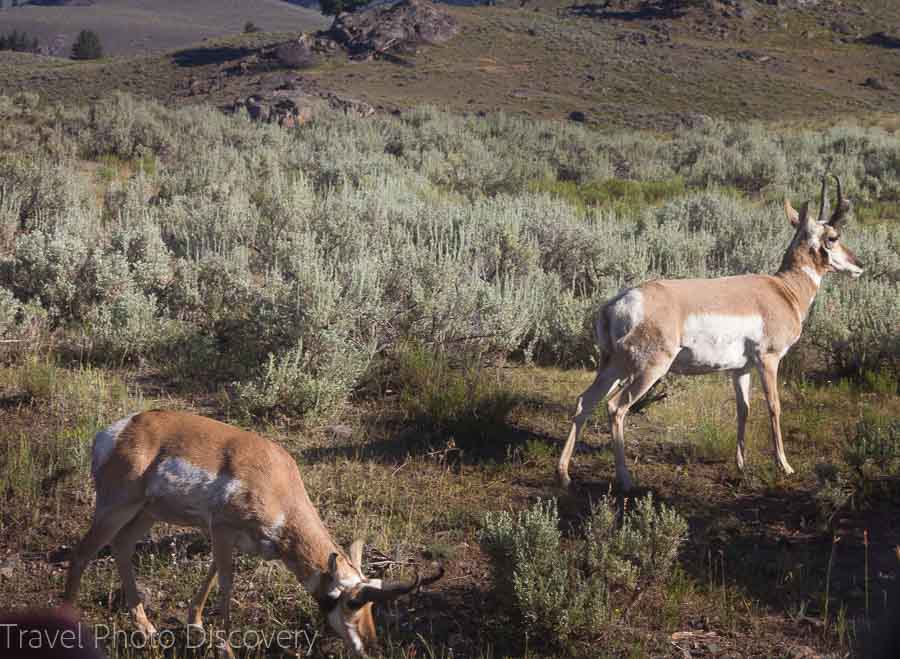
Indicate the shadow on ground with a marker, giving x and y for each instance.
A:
(496, 444)
(768, 541)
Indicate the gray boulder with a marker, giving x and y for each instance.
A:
(402, 26)
(297, 54)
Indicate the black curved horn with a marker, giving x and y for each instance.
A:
(388, 591)
(843, 206)
(823, 205)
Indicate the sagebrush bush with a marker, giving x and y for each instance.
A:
(463, 400)
(501, 233)
(569, 588)
(304, 382)
(17, 319)
(869, 470)
(532, 568)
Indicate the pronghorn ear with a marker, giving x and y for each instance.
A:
(356, 552)
(805, 220)
(791, 213)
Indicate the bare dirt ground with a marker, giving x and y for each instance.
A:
(751, 582)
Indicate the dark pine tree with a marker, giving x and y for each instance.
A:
(87, 46)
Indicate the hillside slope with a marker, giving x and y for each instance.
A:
(552, 59)
(130, 27)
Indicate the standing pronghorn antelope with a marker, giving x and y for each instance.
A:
(694, 326)
(246, 491)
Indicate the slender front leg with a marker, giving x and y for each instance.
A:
(195, 613)
(768, 370)
(741, 383)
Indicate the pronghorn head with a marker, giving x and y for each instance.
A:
(820, 237)
(347, 602)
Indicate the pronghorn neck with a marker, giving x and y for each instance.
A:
(801, 274)
(307, 548)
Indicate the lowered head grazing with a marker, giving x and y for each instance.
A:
(242, 489)
(348, 605)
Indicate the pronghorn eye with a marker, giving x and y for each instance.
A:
(830, 241)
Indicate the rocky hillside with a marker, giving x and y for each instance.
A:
(620, 62)
(132, 27)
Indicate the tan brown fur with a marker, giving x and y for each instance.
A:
(243, 489)
(695, 326)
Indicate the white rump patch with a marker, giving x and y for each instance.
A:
(625, 314)
(718, 342)
(105, 442)
(812, 274)
(192, 490)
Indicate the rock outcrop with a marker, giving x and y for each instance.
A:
(296, 54)
(402, 26)
(291, 107)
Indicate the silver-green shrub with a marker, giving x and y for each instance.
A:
(532, 567)
(565, 588)
(241, 252)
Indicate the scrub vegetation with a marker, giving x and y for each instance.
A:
(405, 302)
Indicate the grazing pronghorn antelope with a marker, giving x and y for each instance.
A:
(246, 491)
(693, 326)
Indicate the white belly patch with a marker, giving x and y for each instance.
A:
(717, 342)
(193, 491)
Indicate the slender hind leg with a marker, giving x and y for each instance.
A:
(618, 407)
(108, 521)
(607, 378)
(741, 383)
(123, 549)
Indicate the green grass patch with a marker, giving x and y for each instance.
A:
(467, 402)
(620, 195)
(68, 407)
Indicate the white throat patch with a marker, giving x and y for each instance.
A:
(812, 274)
(347, 631)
